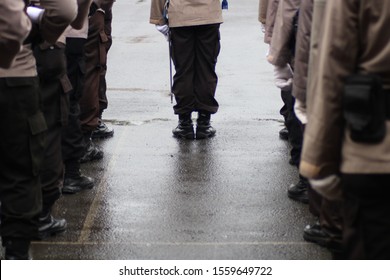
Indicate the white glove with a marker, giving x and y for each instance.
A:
(328, 187)
(283, 77)
(262, 27)
(164, 29)
(300, 111)
(105, 5)
(35, 14)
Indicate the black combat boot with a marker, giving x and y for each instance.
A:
(17, 249)
(48, 225)
(299, 191)
(184, 129)
(77, 184)
(283, 133)
(92, 152)
(102, 131)
(323, 237)
(203, 127)
(74, 181)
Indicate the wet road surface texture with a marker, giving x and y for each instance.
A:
(157, 197)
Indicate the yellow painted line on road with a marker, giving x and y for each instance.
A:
(101, 189)
(273, 243)
(138, 89)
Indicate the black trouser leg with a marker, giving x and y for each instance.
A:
(366, 216)
(295, 128)
(95, 67)
(103, 100)
(183, 50)
(286, 98)
(21, 150)
(72, 136)
(207, 48)
(51, 65)
(194, 53)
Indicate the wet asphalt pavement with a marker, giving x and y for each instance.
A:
(157, 197)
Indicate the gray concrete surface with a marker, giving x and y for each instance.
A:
(161, 198)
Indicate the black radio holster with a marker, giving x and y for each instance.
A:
(364, 108)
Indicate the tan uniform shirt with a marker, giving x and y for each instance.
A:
(79, 27)
(58, 15)
(74, 33)
(280, 49)
(355, 37)
(82, 14)
(187, 12)
(263, 5)
(14, 28)
(272, 9)
(302, 50)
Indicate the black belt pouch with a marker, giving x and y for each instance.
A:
(364, 107)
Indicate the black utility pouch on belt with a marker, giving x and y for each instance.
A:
(365, 108)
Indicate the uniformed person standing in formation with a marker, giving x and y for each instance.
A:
(347, 137)
(72, 138)
(83, 54)
(93, 99)
(327, 231)
(267, 17)
(32, 161)
(21, 117)
(193, 31)
(281, 30)
(102, 130)
(24, 148)
(55, 87)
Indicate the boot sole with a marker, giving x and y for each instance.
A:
(303, 199)
(185, 136)
(323, 242)
(51, 232)
(87, 187)
(102, 136)
(204, 135)
(42, 236)
(93, 158)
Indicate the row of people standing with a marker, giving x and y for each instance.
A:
(288, 27)
(39, 161)
(340, 86)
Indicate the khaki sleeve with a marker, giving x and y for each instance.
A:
(156, 12)
(280, 49)
(337, 58)
(302, 50)
(82, 13)
(56, 18)
(272, 9)
(14, 28)
(263, 5)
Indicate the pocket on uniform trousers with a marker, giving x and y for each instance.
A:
(102, 49)
(38, 128)
(217, 47)
(64, 99)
